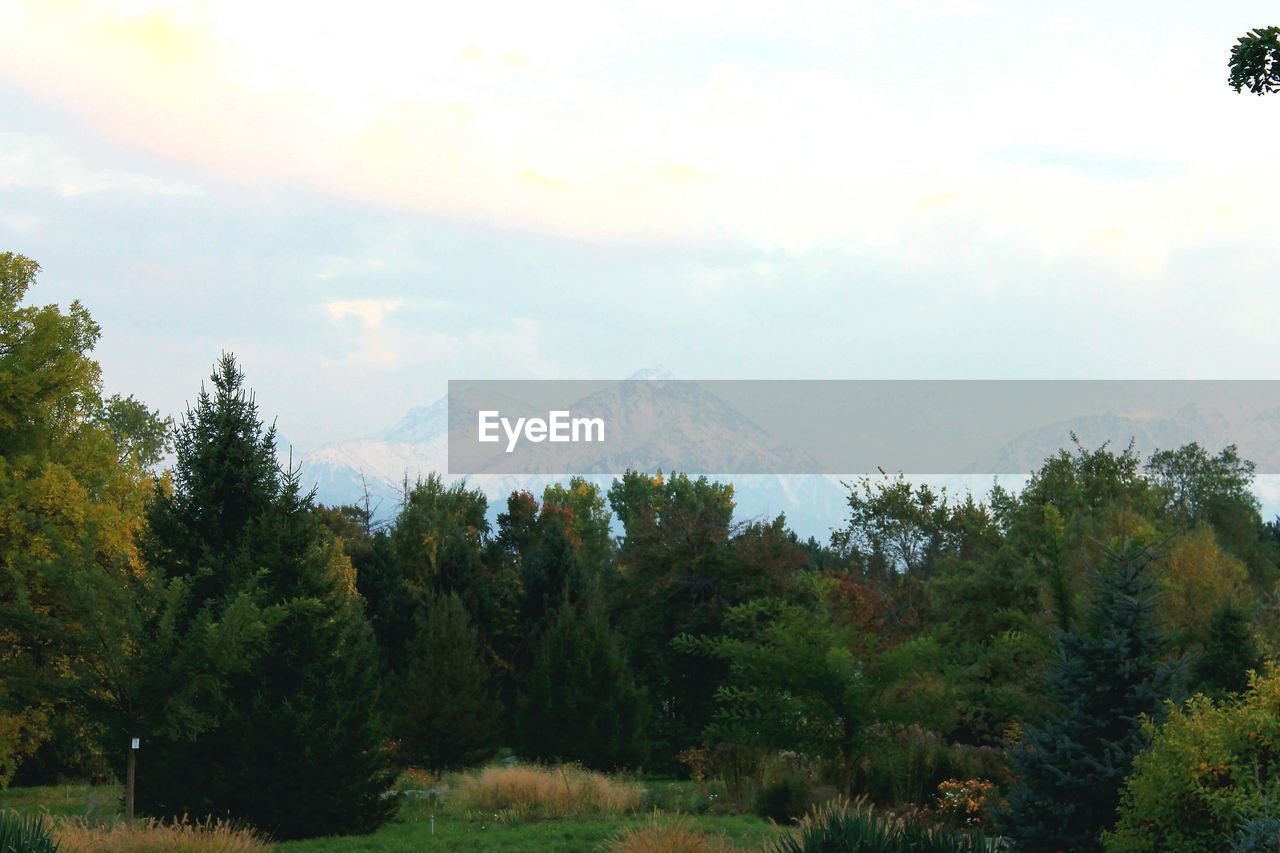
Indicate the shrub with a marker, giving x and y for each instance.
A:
(154, 836)
(966, 803)
(667, 836)
(1210, 770)
(26, 833)
(844, 827)
(530, 792)
(783, 800)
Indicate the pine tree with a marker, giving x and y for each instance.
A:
(448, 709)
(1104, 679)
(582, 703)
(257, 684)
(552, 572)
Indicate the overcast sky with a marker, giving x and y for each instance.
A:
(364, 200)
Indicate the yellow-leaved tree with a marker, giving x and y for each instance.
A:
(74, 481)
(1196, 579)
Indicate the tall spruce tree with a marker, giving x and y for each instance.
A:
(257, 683)
(448, 710)
(1104, 678)
(582, 703)
(552, 572)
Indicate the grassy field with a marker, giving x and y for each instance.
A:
(475, 812)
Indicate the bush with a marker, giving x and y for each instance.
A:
(966, 803)
(155, 836)
(529, 792)
(26, 833)
(1207, 775)
(783, 801)
(844, 827)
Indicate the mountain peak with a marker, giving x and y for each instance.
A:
(657, 371)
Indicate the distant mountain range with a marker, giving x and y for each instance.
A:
(417, 446)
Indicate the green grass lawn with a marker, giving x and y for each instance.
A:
(71, 800)
(411, 829)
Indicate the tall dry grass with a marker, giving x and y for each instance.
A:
(661, 835)
(529, 792)
(153, 836)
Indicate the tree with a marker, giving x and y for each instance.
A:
(1208, 780)
(448, 711)
(553, 573)
(582, 703)
(388, 603)
(680, 568)
(985, 613)
(1196, 579)
(1103, 680)
(71, 508)
(1193, 484)
(793, 681)
(1255, 61)
(587, 519)
(257, 682)
(1229, 653)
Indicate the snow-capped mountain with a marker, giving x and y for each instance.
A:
(417, 446)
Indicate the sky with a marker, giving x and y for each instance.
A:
(364, 200)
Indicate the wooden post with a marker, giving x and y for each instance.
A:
(129, 777)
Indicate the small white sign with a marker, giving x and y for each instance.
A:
(133, 744)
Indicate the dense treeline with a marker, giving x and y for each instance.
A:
(281, 660)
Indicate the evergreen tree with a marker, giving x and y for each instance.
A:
(448, 710)
(552, 572)
(1229, 652)
(257, 683)
(1104, 679)
(582, 703)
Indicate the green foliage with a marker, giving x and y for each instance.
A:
(256, 687)
(1192, 484)
(1255, 61)
(844, 827)
(29, 833)
(679, 570)
(587, 518)
(896, 528)
(1209, 771)
(581, 703)
(553, 573)
(987, 620)
(793, 682)
(1104, 680)
(140, 433)
(388, 605)
(71, 507)
(448, 711)
(1229, 653)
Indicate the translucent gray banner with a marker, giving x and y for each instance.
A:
(842, 426)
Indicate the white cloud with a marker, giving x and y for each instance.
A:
(42, 161)
(370, 312)
(615, 128)
(371, 344)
